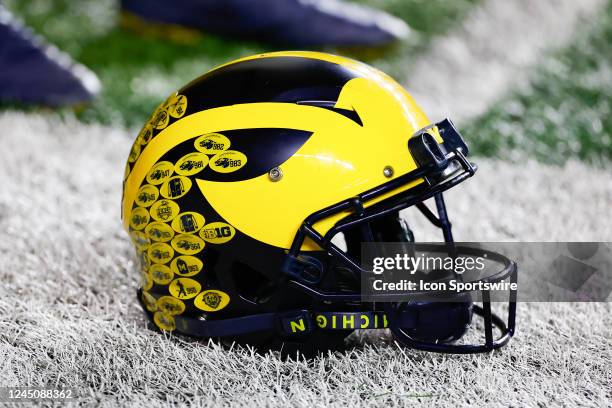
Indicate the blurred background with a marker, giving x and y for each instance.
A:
(533, 78)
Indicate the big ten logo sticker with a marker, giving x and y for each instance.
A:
(211, 300)
(134, 152)
(160, 119)
(161, 274)
(149, 301)
(164, 321)
(160, 253)
(140, 240)
(170, 305)
(160, 232)
(184, 288)
(186, 265)
(147, 195)
(146, 282)
(188, 222)
(145, 134)
(217, 232)
(160, 172)
(164, 210)
(191, 164)
(187, 244)
(175, 187)
(176, 105)
(228, 161)
(212, 143)
(139, 218)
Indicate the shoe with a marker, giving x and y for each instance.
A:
(298, 23)
(33, 72)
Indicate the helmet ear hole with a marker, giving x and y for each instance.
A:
(252, 285)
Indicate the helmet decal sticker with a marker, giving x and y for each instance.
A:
(212, 143)
(176, 106)
(188, 222)
(145, 134)
(159, 231)
(184, 288)
(145, 281)
(140, 239)
(164, 210)
(228, 161)
(161, 274)
(134, 153)
(170, 305)
(160, 253)
(211, 300)
(143, 259)
(161, 172)
(164, 321)
(161, 119)
(139, 218)
(147, 195)
(185, 265)
(217, 232)
(149, 301)
(191, 163)
(187, 244)
(175, 187)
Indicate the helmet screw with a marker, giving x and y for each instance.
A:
(388, 171)
(275, 174)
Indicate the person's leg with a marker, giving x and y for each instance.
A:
(33, 72)
(302, 23)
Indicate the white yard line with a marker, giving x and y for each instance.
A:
(468, 69)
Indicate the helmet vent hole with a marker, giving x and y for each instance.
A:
(251, 284)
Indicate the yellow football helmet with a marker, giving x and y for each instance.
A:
(238, 182)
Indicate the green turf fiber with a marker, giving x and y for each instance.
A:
(138, 73)
(565, 110)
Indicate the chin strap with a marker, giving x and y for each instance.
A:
(289, 323)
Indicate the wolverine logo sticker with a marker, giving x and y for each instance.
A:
(161, 274)
(184, 288)
(191, 164)
(158, 231)
(187, 244)
(185, 265)
(188, 222)
(170, 305)
(164, 210)
(161, 172)
(228, 161)
(212, 143)
(175, 187)
(176, 105)
(147, 195)
(211, 300)
(139, 218)
(160, 253)
(217, 232)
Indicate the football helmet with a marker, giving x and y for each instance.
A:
(238, 184)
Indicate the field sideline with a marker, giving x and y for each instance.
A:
(68, 314)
